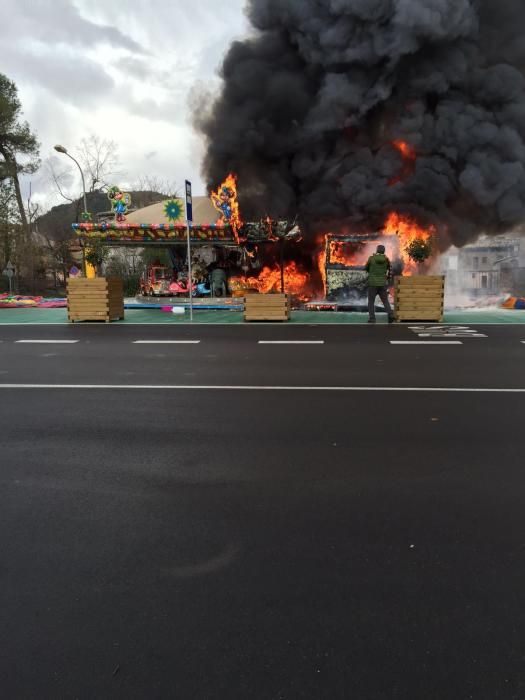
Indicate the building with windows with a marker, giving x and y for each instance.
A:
(491, 266)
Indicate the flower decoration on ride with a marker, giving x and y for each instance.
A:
(120, 202)
(86, 217)
(173, 209)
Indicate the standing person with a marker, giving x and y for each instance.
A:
(379, 270)
(219, 282)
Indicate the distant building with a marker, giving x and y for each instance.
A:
(493, 265)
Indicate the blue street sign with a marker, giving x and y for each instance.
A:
(189, 202)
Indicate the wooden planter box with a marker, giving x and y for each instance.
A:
(267, 307)
(99, 299)
(420, 298)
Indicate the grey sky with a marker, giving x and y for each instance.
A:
(121, 70)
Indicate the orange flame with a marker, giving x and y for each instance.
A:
(321, 263)
(269, 280)
(341, 255)
(407, 230)
(409, 157)
(405, 149)
(226, 203)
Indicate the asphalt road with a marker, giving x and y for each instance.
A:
(294, 530)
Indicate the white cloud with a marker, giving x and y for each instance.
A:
(58, 22)
(121, 71)
(70, 77)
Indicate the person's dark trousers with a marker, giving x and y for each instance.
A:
(219, 286)
(383, 295)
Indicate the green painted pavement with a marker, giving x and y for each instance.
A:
(470, 316)
(33, 316)
(155, 316)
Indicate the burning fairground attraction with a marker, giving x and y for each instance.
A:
(327, 267)
(359, 121)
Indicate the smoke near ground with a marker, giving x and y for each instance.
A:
(312, 102)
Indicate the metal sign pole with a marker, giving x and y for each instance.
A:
(9, 273)
(190, 285)
(189, 219)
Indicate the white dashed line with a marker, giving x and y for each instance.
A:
(166, 342)
(426, 342)
(291, 342)
(213, 387)
(452, 335)
(48, 342)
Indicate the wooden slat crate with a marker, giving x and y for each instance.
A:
(99, 299)
(267, 307)
(420, 298)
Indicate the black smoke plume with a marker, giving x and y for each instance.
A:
(311, 103)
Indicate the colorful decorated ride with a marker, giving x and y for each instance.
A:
(161, 281)
(155, 282)
(120, 203)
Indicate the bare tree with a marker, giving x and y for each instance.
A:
(59, 259)
(33, 208)
(60, 178)
(33, 212)
(150, 189)
(100, 161)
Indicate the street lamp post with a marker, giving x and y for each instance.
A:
(63, 149)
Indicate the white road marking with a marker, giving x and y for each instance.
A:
(166, 342)
(439, 328)
(470, 334)
(48, 342)
(291, 342)
(446, 332)
(233, 387)
(426, 342)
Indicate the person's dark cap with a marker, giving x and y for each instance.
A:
(381, 249)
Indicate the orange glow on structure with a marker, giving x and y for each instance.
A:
(269, 280)
(407, 230)
(341, 255)
(321, 263)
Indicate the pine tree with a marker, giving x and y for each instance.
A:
(9, 221)
(19, 148)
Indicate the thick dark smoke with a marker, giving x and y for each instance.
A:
(311, 104)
